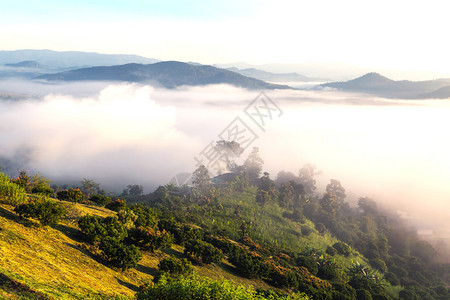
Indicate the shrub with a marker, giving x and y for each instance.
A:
(196, 287)
(392, 278)
(120, 255)
(363, 295)
(202, 252)
(47, 212)
(378, 264)
(11, 193)
(306, 230)
(175, 265)
(150, 239)
(72, 195)
(127, 218)
(116, 205)
(43, 190)
(249, 264)
(331, 251)
(101, 199)
(321, 228)
(342, 248)
(146, 216)
(309, 262)
(181, 232)
(95, 228)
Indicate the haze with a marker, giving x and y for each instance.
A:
(394, 151)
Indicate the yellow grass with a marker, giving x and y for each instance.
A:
(49, 260)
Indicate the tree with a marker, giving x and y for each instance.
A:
(101, 199)
(133, 190)
(229, 150)
(47, 212)
(72, 195)
(41, 185)
(201, 179)
(306, 177)
(150, 239)
(120, 255)
(175, 265)
(367, 205)
(253, 164)
(202, 252)
(335, 187)
(286, 195)
(96, 228)
(89, 187)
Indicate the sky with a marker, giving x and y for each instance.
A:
(403, 35)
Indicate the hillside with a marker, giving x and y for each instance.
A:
(169, 74)
(376, 84)
(249, 231)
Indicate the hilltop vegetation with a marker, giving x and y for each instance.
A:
(279, 236)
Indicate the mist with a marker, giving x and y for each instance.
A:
(394, 151)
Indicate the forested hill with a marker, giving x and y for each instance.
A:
(268, 238)
(169, 74)
(376, 84)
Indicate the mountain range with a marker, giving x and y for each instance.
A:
(274, 77)
(169, 74)
(378, 85)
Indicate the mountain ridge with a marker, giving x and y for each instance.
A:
(376, 84)
(169, 74)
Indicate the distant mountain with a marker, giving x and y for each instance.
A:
(25, 64)
(274, 77)
(169, 74)
(70, 59)
(376, 84)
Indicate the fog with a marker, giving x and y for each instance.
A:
(394, 151)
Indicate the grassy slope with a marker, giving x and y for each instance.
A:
(48, 260)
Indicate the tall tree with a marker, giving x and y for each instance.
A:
(253, 164)
(201, 178)
(89, 187)
(307, 178)
(336, 188)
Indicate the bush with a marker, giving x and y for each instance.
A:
(309, 262)
(342, 248)
(96, 228)
(116, 205)
(306, 230)
(181, 232)
(175, 265)
(72, 195)
(363, 295)
(11, 193)
(120, 255)
(331, 251)
(43, 190)
(378, 264)
(146, 216)
(202, 252)
(150, 239)
(101, 199)
(392, 278)
(196, 287)
(47, 212)
(249, 264)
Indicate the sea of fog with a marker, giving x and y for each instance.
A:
(394, 151)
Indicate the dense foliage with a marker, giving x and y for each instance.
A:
(196, 287)
(47, 211)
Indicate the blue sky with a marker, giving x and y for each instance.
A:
(388, 34)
